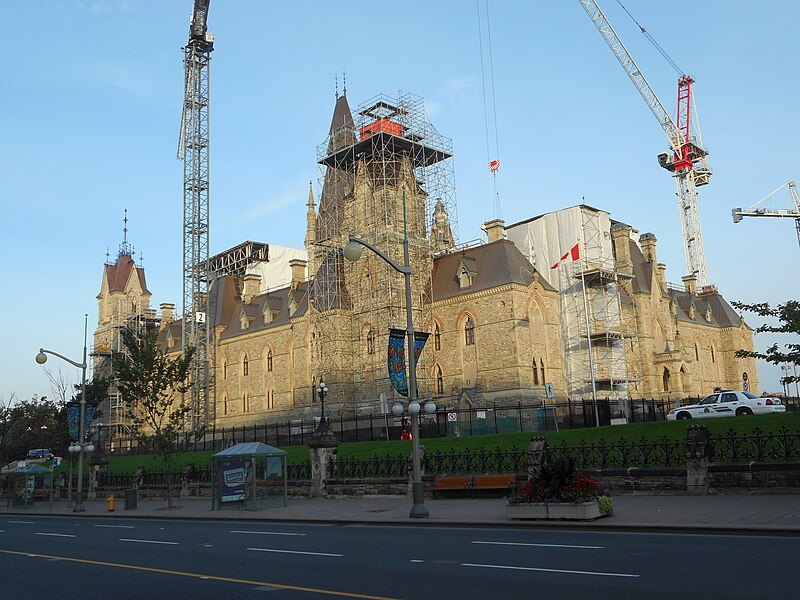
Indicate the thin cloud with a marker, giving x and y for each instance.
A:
(290, 196)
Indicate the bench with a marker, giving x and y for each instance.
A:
(493, 483)
(452, 483)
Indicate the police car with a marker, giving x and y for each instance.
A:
(727, 403)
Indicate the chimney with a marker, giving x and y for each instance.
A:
(298, 266)
(252, 284)
(690, 284)
(621, 234)
(661, 268)
(648, 243)
(167, 313)
(494, 230)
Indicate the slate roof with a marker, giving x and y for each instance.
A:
(495, 264)
(117, 275)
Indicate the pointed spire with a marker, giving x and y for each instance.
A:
(310, 195)
(344, 83)
(124, 248)
(336, 84)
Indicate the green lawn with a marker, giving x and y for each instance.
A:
(674, 431)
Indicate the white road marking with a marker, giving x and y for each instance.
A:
(549, 570)
(268, 532)
(416, 560)
(117, 526)
(147, 541)
(539, 545)
(56, 534)
(295, 552)
(207, 546)
(23, 522)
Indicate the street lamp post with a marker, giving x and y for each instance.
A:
(80, 447)
(352, 252)
(322, 389)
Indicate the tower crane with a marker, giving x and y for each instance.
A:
(193, 151)
(794, 212)
(687, 157)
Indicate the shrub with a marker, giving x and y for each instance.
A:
(558, 481)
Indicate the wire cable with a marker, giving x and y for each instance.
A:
(653, 41)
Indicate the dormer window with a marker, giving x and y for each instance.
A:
(466, 274)
(269, 316)
(691, 312)
(708, 314)
(244, 321)
(170, 340)
(292, 305)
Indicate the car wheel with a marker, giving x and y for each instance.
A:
(683, 415)
(743, 411)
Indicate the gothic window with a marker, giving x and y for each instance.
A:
(439, 380)
(225, 405)
(269, 361)
(270, 399)
(246, 403)
(541, 371)
(370, 342)
(225, 369)
(437, 337)
(665, 379)
(696, 352)
(469, 331)
(535, 372)
(713, 358)
(245, 366)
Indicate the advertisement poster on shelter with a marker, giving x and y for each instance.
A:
(232, 480)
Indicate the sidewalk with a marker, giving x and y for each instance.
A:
(739, 514)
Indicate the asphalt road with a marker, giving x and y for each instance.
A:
(66, 557)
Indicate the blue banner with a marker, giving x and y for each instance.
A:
(74, 420)
(397, 357)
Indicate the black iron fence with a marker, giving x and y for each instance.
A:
(731, 447)
(572, 414)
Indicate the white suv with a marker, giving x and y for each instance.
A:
(727, 404)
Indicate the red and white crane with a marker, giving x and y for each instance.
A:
(687, 158)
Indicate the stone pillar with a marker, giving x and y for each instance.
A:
(92, 491)
(698, 454)
(537, 455)
(324, 446)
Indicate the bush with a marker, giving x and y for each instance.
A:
(558, 481)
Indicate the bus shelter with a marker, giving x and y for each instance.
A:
(23, 482)
(250, 475)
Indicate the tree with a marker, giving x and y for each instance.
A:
(788, 317)
(150, 384)
(35, 423)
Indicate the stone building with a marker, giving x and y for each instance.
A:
(543, 310)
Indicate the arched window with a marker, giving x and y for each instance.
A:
(245, 403)
(225, 405)
(437, 337)
(541, 371)
(696, 352)
(535, 372)
(469, 331)
(713, 358)
(225, 369)
(269, 361)
(245, 365)
(370, 342)
(439, 380)
(665, 379)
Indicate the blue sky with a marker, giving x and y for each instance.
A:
(91, 106)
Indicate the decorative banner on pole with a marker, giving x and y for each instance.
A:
(397, 357)
(397, 360)
(74, 420)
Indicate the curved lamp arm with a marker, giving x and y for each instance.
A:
(62, 357)
(399, 268)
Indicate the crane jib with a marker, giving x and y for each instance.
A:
(199, 19)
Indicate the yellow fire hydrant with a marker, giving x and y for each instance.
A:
(111, 503)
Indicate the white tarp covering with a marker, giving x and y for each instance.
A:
(546, 239)
(276, 273)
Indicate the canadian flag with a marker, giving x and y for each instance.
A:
(573, 254)
(494, 165)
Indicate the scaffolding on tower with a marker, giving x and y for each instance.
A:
(368, 166)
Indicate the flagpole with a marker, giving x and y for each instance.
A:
(588, 329)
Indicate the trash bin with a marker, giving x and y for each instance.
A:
(130, 499)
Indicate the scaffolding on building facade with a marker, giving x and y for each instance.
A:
(598, 319)
(384, 170)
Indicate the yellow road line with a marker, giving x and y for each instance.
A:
(196, 575)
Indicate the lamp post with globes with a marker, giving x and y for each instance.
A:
(80, 446)
(352, 252)
(322, 389)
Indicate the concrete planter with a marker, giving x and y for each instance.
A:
(584, 511)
